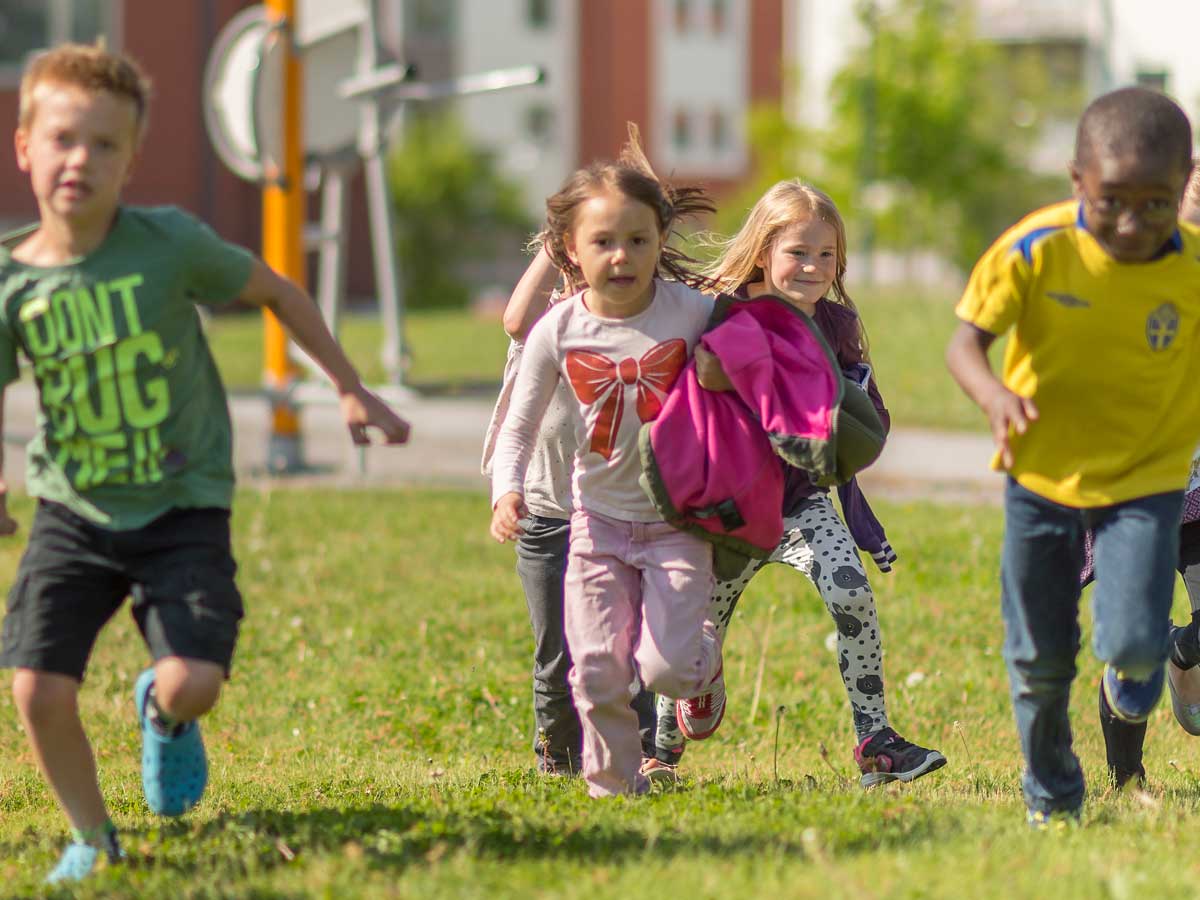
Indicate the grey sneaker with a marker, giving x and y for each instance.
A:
(1185, 696)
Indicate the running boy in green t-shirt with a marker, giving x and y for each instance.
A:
(132, 458)
(1095, 421)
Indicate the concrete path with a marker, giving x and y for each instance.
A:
(448, 434)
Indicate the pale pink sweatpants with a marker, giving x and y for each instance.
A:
(637, 594)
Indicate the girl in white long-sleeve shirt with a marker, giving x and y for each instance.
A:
(637, 590)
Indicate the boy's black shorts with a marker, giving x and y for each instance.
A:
(75, 575)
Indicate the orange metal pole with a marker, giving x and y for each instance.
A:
(283, 225)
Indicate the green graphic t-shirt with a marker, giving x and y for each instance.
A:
(133, 418)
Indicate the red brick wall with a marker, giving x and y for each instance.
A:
(766, 51)
(176, 164)
(615, 67)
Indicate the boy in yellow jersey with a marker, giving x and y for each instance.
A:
(1095, 420)
(1123, 741)
(131, 463)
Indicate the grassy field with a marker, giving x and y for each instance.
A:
(374, 740)
(451, 351)
(908, 331)
(455, 351)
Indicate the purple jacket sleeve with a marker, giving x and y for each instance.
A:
(841, 327)
(864, 527)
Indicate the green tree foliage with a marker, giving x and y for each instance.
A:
(931, 134)
(933, 129)
(782, 149)
(454, 210)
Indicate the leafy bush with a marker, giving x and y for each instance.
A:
(454, 209)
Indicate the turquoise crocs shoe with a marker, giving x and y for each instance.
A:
(174, 768)
(77, 863)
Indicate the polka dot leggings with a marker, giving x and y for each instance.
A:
(817, 543)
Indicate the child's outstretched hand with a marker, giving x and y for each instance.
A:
(506, 515)
(1006, 410)
(362, 409)
(709, 371)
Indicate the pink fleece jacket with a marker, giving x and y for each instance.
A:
(711, 460)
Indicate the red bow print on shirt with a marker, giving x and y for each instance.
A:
(596, 377)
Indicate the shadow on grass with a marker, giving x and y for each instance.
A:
(396, 837)
(510, 819)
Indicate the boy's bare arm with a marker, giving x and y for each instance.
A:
(967, 360)
(530, 296)
(8, 525)
(299, 314)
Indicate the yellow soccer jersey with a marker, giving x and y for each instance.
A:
(1108, 351)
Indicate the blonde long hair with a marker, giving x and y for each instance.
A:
(632, 176)
(785, 203)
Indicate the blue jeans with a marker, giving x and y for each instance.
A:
(1136, 551)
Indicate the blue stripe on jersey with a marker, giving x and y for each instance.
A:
(1174, 245)
(1025, 244)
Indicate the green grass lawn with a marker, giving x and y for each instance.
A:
(374, 740)
(458, 351)
(908, 331)
(451, 350)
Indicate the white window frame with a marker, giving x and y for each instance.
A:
(59, 15)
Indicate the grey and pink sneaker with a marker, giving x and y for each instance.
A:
(885, 756)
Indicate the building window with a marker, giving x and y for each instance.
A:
(27, 26)
(718, 130)
(683, 14)
(718, 16)
(539, 124)
(681, 130)
(538, 13)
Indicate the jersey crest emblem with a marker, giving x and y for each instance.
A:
(1162, 325)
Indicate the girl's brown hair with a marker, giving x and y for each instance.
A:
(784, 204)
(632, 176)
(90, 67)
